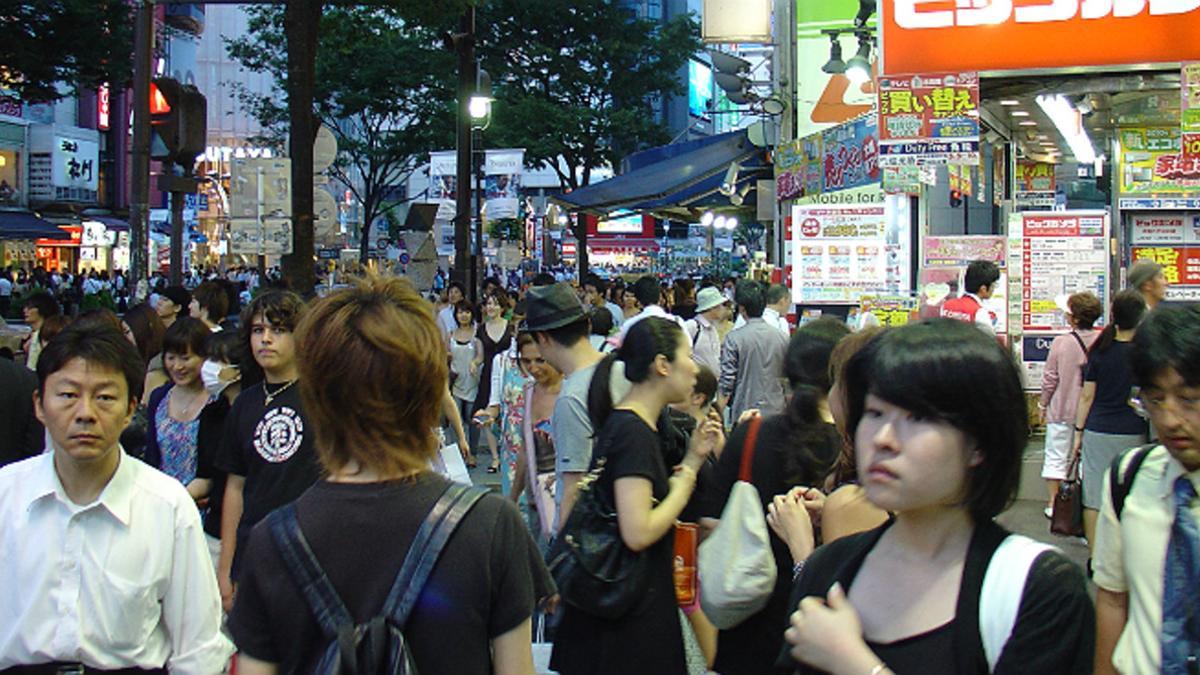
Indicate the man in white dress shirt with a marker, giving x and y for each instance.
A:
(103, 562)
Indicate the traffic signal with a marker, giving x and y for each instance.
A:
(179, 121)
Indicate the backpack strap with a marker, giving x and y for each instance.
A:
(1003, 587)
(426, 547)
(1119, 489)
(746, 469)
(327, 607)
(1080, 341)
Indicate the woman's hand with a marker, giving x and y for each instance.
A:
(789, 520)
(708, 439)
(827, 634)
(748, 414)
(684, 477)
(485, 417)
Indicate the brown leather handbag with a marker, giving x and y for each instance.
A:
(1066, 516)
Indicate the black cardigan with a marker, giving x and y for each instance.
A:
(208, 438)
(1055, 627)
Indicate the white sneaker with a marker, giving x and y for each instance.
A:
(1048, 512)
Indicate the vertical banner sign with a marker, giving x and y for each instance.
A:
(929, 119)
(502, 183)
(1035, 186)
(1189, 111)
(798, 168)
(840, 253)
(851, 154)
(1061, 253)
(443, 184)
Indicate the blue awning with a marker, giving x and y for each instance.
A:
(26, 225)
(667, 175)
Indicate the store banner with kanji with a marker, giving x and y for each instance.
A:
(1189, 111)
(1035, 186)
(929, 119)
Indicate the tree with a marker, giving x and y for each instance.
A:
(382, 87)
(576, 83)
(81, 44)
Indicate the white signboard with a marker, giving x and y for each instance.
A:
(841, 253)
(76, 164)
(1061, 253)
(1165, 228)
(260, 188)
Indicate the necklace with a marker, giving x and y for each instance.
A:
(270, 396)
(188, 410)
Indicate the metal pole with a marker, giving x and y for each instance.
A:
(462, 210)
(139, 184)
(176, 236)
(479, 268)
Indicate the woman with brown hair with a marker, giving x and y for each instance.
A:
(372, 379)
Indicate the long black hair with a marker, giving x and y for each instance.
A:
(1128, 307)
(812, 444)
(643, 343)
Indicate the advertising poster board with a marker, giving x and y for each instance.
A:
(1035, 185)
(1173, 241)
(1035, 350)
(889, 310)
(929, 119)
(1189, 111)
(1151, 163)
(944, 260)
(1061, 253)
(799, 168)
(502, 171)
(850, 155)
(841, 253)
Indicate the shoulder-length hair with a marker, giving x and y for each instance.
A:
(952, 372)
(373, 375)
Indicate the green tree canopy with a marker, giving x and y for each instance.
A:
(577, 82)
(81, 44)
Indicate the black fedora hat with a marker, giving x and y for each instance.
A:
(550, 307)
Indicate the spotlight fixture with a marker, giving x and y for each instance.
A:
(835, 65)
(858, 68)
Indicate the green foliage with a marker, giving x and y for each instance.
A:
(384, 86)
(507, 229)
(577, 81)
(77, 43)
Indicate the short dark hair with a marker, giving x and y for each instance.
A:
(44, 303)
(777, 292)
(543, 279)
(806, 362)
(980, 273)
(187, 334)
(1169, 337)
(97, 343)
(647, 291)
(706, 384)
(464, 305)
(569, 334)
(213, 299)
(933, 368)
(279, 307)
(602, 320)
(595, 282)
(456, 284)
(749, 295)
(226, 347)
(178, 295)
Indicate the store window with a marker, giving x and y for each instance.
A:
(10, 177)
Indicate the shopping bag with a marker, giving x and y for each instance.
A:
(687, 539)
(1066, 515)
(449, 463)
(541, 649)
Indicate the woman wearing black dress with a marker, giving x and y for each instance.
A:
(648, 499)
(496, 334)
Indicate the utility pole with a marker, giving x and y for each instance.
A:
(139, 198)
(463, 259)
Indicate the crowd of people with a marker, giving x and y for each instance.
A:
(185, 480)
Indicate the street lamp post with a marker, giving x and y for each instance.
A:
(480, 109)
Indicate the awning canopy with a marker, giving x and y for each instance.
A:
(26, 225)
(677, 175)
(112, 223)
(612, 244)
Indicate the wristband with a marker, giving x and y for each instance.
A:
(797, 569)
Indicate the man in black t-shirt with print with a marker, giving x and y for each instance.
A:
(267, 447)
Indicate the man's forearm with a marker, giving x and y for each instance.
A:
(1112, 610)
(231, 515)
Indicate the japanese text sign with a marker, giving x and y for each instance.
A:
(798, 168)
(929, 119)
(1152, 163)
(1189, 110)
(850, 154)
(999, 35)
(1181, 264)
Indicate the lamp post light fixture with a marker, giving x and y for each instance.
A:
(480, 104)
(858, 68)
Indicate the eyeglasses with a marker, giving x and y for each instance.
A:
(1149, 403)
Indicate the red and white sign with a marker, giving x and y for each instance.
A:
(1061, 253)
(103, 108)
(1165, 228)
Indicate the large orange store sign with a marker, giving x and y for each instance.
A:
(921, 36)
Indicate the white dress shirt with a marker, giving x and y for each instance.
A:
(772, 317)
(649, 311)
(123, 582)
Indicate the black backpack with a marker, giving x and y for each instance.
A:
(378, 646)
(1121, 483)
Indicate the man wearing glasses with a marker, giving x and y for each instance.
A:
(1147, 557)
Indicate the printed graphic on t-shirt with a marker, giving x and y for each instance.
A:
(279, 434)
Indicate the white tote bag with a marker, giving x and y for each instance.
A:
(736, 565)
(449, 463)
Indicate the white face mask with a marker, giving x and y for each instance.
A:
(210, 374)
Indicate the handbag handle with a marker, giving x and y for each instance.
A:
(744, 471)
(1073, 467)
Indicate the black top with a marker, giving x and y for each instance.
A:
(21, 434)
(1055, 627)
(780, 463)
(484, 584)
(272, 447)
(649, 639)
(911, 655)
(1110, 370)
(490, 349)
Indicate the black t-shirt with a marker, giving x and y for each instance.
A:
(649, 639)
(785, 456)
(485, 583)
(1113, 375)
(272, 447)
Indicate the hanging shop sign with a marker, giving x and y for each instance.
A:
(841, 253)
(1035, 186)
(902, 180)
(502, 170)
(799, 170)
(1061, 253)
(1189, 111)
(1173, 241)
(725, 21)
(892, 311)
(850, 154)
(1151, 163)
(924, 35)
(929, 119)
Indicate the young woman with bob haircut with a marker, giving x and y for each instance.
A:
(373, 376)
(938, 418)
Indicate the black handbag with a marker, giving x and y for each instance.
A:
(594, 571)
(1066, 516)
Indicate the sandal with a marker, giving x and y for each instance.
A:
(495, 468)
